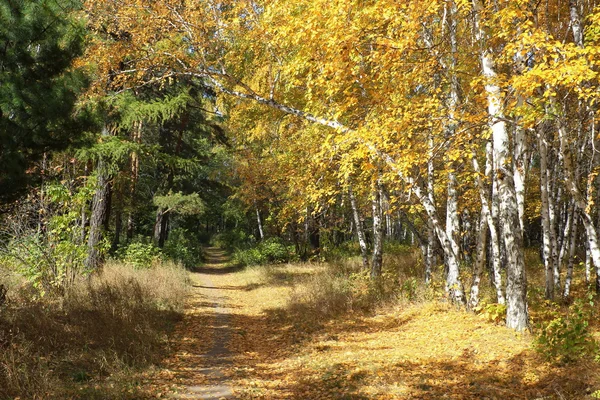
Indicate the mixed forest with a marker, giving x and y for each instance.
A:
(442, 150)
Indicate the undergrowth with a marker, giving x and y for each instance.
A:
(107, 325)
(345, 287)
(269, 251)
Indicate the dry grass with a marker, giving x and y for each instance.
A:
(85, 344)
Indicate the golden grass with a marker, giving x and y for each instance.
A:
(89, 343)
(401, 350)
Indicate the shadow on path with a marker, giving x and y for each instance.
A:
(204, 335)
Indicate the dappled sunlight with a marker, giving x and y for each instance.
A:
(240, 334)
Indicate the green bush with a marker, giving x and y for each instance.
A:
(269, 251)
(180, 247)
(48, 260)
(567, 337)
(234, 239)
(139, 254)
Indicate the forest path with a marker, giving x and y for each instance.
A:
(260, 333)
(197, 367)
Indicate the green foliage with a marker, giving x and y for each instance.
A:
(182, 247)
(269, 251)
(38, 86)
(341, 252)
(155, 110)
(183, 204)
(233, 239)
(566, 338)
(52, 254)
(139, 254)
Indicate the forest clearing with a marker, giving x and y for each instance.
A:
(299, 199)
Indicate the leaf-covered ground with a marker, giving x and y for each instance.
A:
(411, 351)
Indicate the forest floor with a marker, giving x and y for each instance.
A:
(240, 339)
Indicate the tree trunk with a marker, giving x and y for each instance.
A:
(572, 246)
(362, 242)
(516, 289)
(546, 226)
(134, 175)
(161, 227)
(479, 259)
(491, 225)
(377, 258)
(99, 213)
(259, 223)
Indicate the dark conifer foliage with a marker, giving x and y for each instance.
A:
(38, 87)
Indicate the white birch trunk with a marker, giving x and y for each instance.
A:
(362, 242)
(479, 258)
(572, 246)
(259, 222)
(545, 214)
(491, 225)
(452, 219)
(377, 257)
(516, 289)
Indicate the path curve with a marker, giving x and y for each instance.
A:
(206, 364)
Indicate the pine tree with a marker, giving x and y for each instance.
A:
(38, 86)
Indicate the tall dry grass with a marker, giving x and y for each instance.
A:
(342, 286)
(107, 325)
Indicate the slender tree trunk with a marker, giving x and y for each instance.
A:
(159, 226)
(377, 258)
(99, 212)
(572, 246)
(84, 208)
(362, 242)
(491, 225)
(479, 259)
(134, 175)
(452, 219)
(259, 223)
(431, 240)
(553, 202)
(546, 227)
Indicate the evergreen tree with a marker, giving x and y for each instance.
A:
(38, 86)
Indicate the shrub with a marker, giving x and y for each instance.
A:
(234, 239)
(42, 238)
(139, 254)
(271, 250)
(180, 247)
(567, 337)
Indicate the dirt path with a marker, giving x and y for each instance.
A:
(259, 334)
(202, 355)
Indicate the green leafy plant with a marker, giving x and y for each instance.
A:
(566, 338)
(271, 250)
(140, 254)
(181, 248)
(50, 253)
